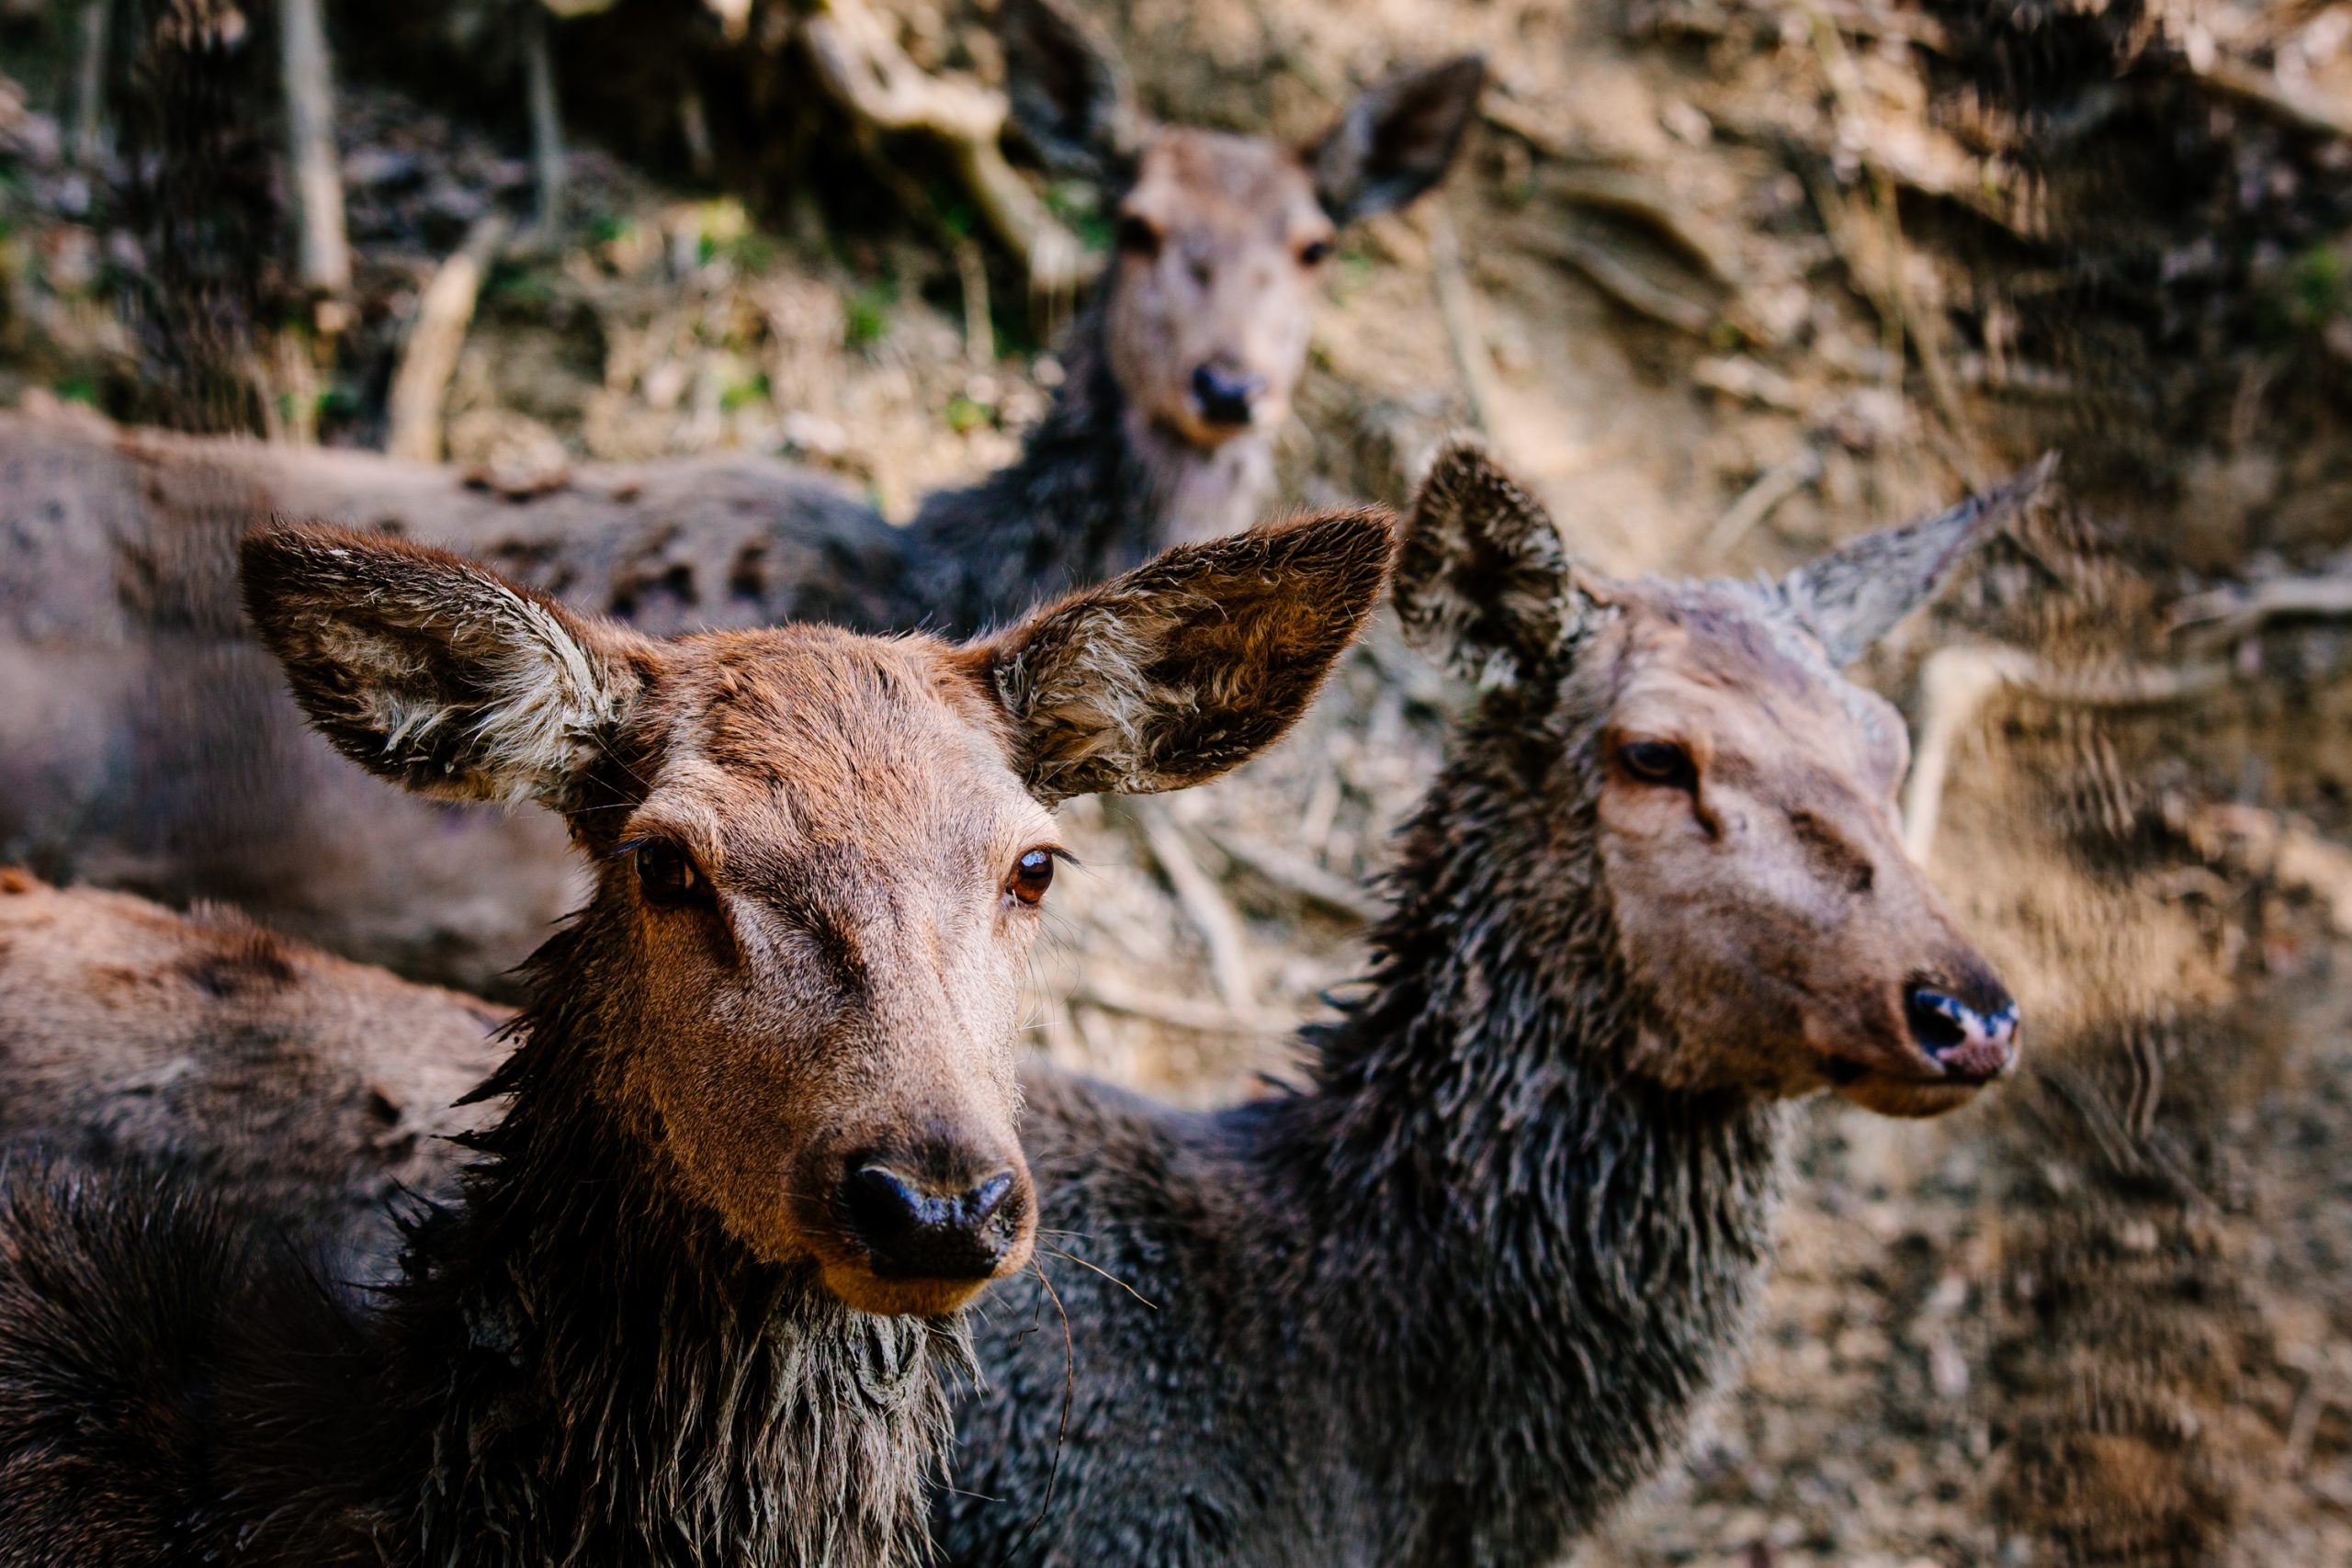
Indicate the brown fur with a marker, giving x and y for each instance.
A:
(127, 1028)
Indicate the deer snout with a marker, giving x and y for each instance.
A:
(1225, 394)
(933, 1225)
(1969, 1028)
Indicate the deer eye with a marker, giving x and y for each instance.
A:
(1032, 874)
(1312, 252)
(669, 877)
(1658, 762)
(1137, 237)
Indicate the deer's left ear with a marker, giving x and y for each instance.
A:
(1189, 665)
(1854, 595)
(1396, 140)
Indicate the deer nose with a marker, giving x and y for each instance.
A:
(912, 1229)
(1227, 396)
(1973, 1037)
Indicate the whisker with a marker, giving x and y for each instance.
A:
(1082, 1263)
(1061, 1438)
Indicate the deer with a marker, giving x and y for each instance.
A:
(207, 1048)
(697, 1297)
(144, 743)
(1453, 1295)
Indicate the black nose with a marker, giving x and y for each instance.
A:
(1227, 396)
(913, 1231)
(1969, 1031)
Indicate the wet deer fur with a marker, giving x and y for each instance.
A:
(652, 1328)
(1454, 1296)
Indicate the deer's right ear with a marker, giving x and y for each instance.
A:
(1483, 582)
(437, 673)
(1070, 95)
(1190, 665)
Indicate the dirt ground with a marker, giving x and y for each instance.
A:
(1731, 280)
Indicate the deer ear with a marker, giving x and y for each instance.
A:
(1070, 95)
(1186, 667)
(437, 673)
(1396, 140)
(1482, 581)
(1854, 595)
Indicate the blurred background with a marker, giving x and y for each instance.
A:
(1725, 280)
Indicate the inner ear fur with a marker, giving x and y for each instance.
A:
(437, 673)
(1482, 575)
(1186, 667)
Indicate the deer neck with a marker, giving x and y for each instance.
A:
(1583, 1248)
(602, 1374)
(1098, 489)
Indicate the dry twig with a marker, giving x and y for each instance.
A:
(1626, 285)
(1112, 995)
(429, 357)
(1206, 908)
(1297, 873)
(310, 132)
(1756, 503)
(1956, 682)
(1456, 309)
(546, 123)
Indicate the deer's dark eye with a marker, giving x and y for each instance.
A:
(1032, 874)
(1658, 762)
(1137, 237)
(669, 877)
(1312, 252)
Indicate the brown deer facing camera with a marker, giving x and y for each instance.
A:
(695, 1302)
(1447, 1302)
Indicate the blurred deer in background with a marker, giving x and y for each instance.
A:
(144, 742)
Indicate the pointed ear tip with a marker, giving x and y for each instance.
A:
(1461, 455)
(2021, 489)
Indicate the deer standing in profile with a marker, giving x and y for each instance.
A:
(1451, 1299)
(144, 743)
(696, 1301)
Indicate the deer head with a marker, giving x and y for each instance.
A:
(821, 857)
(1693, 746)
(1220, 236)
